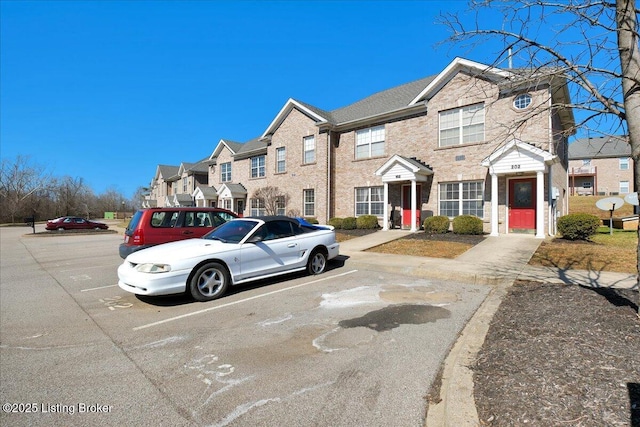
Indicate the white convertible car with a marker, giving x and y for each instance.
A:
(238, 251)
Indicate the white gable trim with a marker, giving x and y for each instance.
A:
(516, 157)
(398, 168)
(457, 65)
(284, 112)
(216, 152)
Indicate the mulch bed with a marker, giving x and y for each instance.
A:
(421, 235)
(558, 355)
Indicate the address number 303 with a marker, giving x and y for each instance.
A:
(515, 166)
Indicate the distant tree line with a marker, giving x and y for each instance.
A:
(27, 190)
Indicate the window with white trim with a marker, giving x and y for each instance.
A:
(522, 101)
(370, 201)
(624, 163)
(370, 142)
(462, 126)
(309, 202)
(280, 205)
(281, 165)
(257, 167)
(624, 187)
(185, 182)
(225, 172)
(257, 207)
(461, 198)
(309, 149)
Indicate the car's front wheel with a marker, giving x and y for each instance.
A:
(317, 263)
(209, 282)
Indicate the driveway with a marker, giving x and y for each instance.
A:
(349, 347)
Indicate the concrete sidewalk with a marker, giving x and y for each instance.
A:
(496, 261)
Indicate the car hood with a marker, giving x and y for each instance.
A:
(168, 253)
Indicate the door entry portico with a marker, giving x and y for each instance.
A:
(399, 169)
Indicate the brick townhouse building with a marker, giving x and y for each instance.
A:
(600, 166)
(470, 140)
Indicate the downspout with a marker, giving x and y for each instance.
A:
(328, 203)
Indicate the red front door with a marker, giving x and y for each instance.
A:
(406, 206)
(522, 204)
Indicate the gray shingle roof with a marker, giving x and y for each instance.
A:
(382, 102)
(599, 148)
(208, 192)
(168, 171)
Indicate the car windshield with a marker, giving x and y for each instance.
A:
(232, 231)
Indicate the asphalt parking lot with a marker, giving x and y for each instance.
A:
(348, 347)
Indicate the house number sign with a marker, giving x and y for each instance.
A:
(515, 166)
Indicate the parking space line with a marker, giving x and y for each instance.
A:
(96, 289)
(171, 319)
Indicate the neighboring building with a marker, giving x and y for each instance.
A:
(600, 166)
(161, 186)
(442, 145)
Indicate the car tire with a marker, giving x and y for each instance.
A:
(317, 263)
(209, 282)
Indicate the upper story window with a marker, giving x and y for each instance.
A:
(281, 165)
(370, 142)
(257, 167)
(309, 149)
(184, 185)
(462, 126)
(225, 172)
(624, 163)
(522, 101)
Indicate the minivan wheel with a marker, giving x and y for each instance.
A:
(317, 262)
(209, 282)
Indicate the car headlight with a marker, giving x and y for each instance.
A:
(153, 268)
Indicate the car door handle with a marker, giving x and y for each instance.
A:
(187, 232)
(291, 245)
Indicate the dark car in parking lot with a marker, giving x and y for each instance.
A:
(74, 223)
(154, 226)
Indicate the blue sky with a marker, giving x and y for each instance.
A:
(107, 90)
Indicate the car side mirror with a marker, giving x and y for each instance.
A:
(256, 238)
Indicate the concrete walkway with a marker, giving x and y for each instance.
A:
(496, 261)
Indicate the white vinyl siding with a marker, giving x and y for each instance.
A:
(462, 125)
(370, 142)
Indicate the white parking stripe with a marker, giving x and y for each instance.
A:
(96, 289)
(171, 319)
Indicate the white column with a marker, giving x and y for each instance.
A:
(385, 218)
(494, 205)
(540, 205)
(414, 196)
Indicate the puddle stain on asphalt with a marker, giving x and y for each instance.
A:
(393, 316)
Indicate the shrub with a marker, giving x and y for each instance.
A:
(312, 220)
(335, 222)
(467, 224)
(367, 222)
(349, 223)
(579, 226)
(438, 224)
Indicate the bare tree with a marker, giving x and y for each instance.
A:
(20, 183)
(593, 44)
(275, 201)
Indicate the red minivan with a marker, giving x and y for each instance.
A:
(153, 226)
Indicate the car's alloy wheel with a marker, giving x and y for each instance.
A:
(209, 282)
(317, 262)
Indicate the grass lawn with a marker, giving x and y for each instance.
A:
(606, 252)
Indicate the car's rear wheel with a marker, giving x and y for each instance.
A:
(209, 282)
(317, 263)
